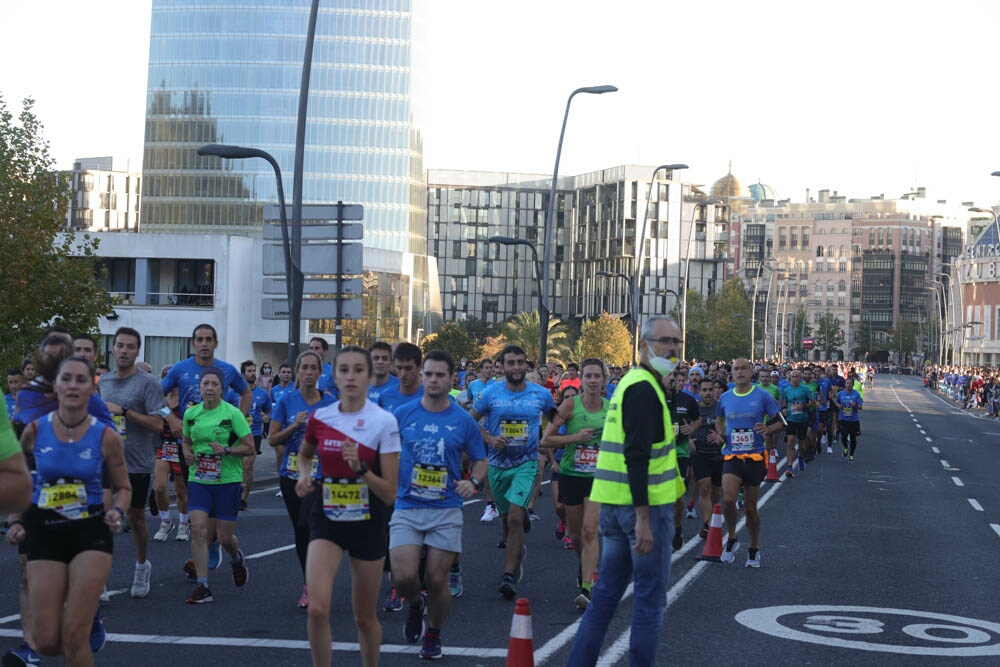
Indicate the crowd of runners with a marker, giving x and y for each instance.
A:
(377, 451)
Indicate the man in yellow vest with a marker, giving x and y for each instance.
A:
(637, 482)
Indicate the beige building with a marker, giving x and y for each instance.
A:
(104, 199)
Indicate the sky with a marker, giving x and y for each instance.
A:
(865, 98)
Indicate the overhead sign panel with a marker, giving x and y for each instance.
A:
(316, 212)
(322, 232)
(317, 259)
(348, 286)
(312, 309)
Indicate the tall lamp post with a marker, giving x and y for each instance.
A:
(550, 222)
(782, 286)
(753, 311)
(293, 269)
(639, 254)
(687, 269)
(664, 291)
(632, 315)
(543, 311)
(941, 316)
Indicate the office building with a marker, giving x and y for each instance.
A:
(103, 199)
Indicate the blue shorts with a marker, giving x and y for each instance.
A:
(219, 500)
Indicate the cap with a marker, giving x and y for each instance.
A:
(696, 370)
(775, 373)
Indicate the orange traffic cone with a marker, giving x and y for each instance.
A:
(520, 652)
(713, 544)
(772, 467)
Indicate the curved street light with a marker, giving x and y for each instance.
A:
(509, 241)
(753, 312)
(547, 251)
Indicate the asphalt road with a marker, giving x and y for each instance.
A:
(887, 560)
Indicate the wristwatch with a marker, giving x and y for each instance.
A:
(364, 468)
(476, 483)
(227, 449)
(124, 412)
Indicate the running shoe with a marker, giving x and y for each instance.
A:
(520, 563)
(851, 458)
(703, 533)
(22, 655)
(392, 601)
(201, 595)
(214, 555)
(303, 602)
(560, 530)
(278, 494)
(753, 558)
(502, 544)
(845, 452)
(691, 512)
(789, 473)
(455, 582)
(729, 552)
(189, 570)
(163, 533)
(678, 541)
(105, 596)
(489, 513)
(140, 580)
(414, 626)
(98, 637)
(431, 650)
(240, 572)
(567, 543)
(183, 532)
(508, 587)
(582, 599)
(829, 450)
(533, 516)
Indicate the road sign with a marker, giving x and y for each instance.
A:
(312, 309)
(808, 343)
(316, 212)
(317, 259)
(348, 286)
(353, 231)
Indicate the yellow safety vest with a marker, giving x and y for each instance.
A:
(611, 477)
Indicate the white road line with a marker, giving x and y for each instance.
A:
(270, 552)
(17, 617)
(975, 505)
(957, 481)
(923, 432)
(944, 464)
(267, 490)
(935, 450)
(995, 527)
(928, 439)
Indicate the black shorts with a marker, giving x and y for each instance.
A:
(825, 416)
(751, 472)
(850, 427)
(364, 540)
(573, 489)
(140, 489)
(708, 465)
(797, 429)
(257, 439)
(682, 466)
(51, 537)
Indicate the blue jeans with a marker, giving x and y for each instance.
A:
(620, 564)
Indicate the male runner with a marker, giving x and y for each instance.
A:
(796, 400)
(259, 419)
(382, 379)
(849, 402)
(706, 454)
(686, 418)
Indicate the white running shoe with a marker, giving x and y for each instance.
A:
(729, 551)
(163, 533)
(105, 597)
(278, 494)
(691, 513)
(489, 513)
(184, 532)
(829, 450)
(140, 582)
(755, 561)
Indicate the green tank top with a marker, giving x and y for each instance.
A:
(580, 458)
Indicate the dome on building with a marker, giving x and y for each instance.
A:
(729, 186)
(759, 191)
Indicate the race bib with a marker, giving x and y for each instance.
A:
(250, 420)
(516, 432)
(585, 459)
(677, 430)
(345, 500)
(119, 424)
(208, 469)
(428, 482)
(67, 498)
(292, 466)
(741, 440)
(170, 452)
(848, 410)
(796, 408)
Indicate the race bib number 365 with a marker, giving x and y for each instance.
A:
(741, 440)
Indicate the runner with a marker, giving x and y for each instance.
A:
(135, 400)
(427, 519)
(67, 528)
(741, 419)
(768, 380)
(358, 447)
(849, 402)
(170, 465)
(796, 400)
(282, 387)
(583, 417)
(216, 437)
(288, 427)
(706, 457)
(15, 380)
(326, 382)
(15, 482)
(512, 412)
(823, 395)
(259, 418)
(382, 379)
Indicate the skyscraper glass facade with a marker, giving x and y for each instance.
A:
(228, 71)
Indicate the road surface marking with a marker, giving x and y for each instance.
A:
(975, 505)
(957, 481)
(270, 552)
(944, 464)
(928, 439)
(935, 450)
(995, 527)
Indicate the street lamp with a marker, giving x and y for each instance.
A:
(293, 268)
(989, 211)
(549, 222)
(753, 312)
(687, 268)
(638, 252)
(543, 311)
(628, 285)
(938, 296)
(664, 291)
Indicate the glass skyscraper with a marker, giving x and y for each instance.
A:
(228, 71)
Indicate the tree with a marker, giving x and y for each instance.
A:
(478, 329)
(49, 273)
(798, 328)
(524, 330)
(829, 334)
(491, 348)
(865, 341)
(903, 341)
(728, 334)
(454, 340)
(605, 337)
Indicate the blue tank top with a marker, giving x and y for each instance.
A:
(68, 474)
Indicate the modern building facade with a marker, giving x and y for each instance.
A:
(229, 72)
(104, 199)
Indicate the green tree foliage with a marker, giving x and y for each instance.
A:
(48, 274)
(866, 341)
(478, 329)
(454, 340)
(719, 327)
(524, 330)
(605, 337)
(828, 334)
(903, 341)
